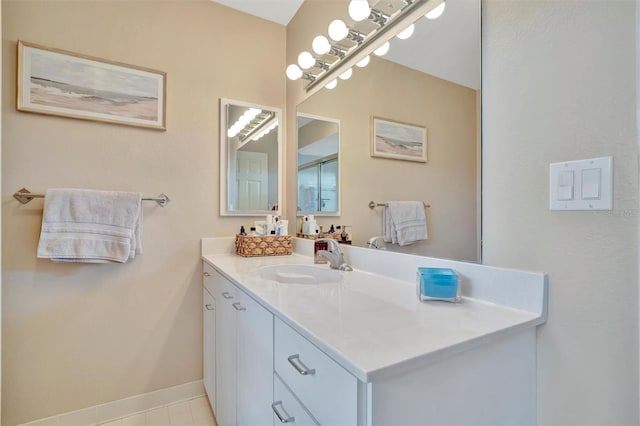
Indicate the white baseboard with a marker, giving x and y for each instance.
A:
(123, 407)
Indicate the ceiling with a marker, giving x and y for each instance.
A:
(451, 43)
(278, 11)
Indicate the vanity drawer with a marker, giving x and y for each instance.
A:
(326, 389)
(212, 279)
(286, 408)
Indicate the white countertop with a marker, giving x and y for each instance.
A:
(373, 325)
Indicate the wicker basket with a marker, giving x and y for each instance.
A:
(335, 236)
(247, 245)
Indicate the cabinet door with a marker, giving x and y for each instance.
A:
(209, 346)
(255, 362)
(226, 354)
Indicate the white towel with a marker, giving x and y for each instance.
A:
(80, 225)
(404, 222)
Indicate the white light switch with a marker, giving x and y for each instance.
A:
(581, 184)
(591, 181)
(565, 185)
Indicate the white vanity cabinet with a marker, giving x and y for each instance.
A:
(244, 355)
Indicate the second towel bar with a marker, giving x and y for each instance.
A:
(373, 205)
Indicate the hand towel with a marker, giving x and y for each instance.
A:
(404, 222)
(88, 226)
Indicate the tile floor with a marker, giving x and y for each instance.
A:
(193, 412)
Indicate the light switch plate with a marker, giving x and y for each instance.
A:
(591, 186)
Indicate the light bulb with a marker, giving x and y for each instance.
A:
(363, 62)
(332, 84)
(321, 45)
(382, 50)
(435, 13)
(359, 10)
(306, 60)
(407, 32)
(338, 30)
(347, 74)
(294, 72)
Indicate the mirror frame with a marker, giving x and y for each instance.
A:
(332, 120)
(224, 169)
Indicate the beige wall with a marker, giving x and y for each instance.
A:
(559, 84)
(448, 181)
(75, 336)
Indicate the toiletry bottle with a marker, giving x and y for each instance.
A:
(242, 231)
(345, 237)
(332, 229)
(317, 246)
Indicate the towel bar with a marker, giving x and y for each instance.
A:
(24, 196)
(373, 205)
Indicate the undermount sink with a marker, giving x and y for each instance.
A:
(299, 274)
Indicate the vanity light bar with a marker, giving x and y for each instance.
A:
(364, 44)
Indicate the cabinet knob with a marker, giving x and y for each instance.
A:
(206, 274)
(283, 418)
(209, 307)
(295, 361)
(238, 306)
(227, 295)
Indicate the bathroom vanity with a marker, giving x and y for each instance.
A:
(283, 344)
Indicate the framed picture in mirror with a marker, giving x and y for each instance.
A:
(398, 140)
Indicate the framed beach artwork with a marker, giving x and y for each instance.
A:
(66, 84)
(400, 141)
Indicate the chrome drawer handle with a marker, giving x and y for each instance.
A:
(206, 274)
(283, 419)
(238, 306)
(227, 295)
(294, 360)
(209, 307)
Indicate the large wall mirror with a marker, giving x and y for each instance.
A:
(250, 159)
(431, 81)
(318, 165)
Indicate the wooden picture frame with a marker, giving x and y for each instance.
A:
(398, 140)
(58, 82)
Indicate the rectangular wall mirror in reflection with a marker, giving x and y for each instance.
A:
(250, 159)
(432, 80)
(318, 165)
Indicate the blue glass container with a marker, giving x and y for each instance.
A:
(437, 284)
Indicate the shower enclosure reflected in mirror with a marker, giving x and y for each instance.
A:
(318, 165)
(250, 159)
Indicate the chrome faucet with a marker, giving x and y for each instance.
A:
(376, 243)
(334, 255)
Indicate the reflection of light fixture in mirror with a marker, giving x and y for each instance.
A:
(347, 74)
(382, 50)
(359, 10)
(306, 60)
(364, 62)
(259, 123)
(266, 128)
(321, 45)
(407, 32)
(294, 72)
(243, 121)
(436, 12)
(332, 84)
(338, 30)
